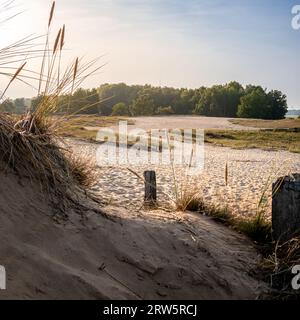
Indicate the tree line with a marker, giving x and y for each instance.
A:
(229, 100)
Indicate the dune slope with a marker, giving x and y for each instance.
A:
(145, 255)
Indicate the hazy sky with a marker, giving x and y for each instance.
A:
(181, 43)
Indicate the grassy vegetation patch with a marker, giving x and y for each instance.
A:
(278, 258)
(256, 228)
(86, 126)
(271, 124)
(269, 140)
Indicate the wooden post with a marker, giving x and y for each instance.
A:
(286, 207)
(150, 188)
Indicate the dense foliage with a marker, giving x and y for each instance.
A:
(229, 100)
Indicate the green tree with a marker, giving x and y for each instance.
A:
(143, 105)
(92, 102)
(234, 92)
(212, 102)
(227, 100)
(255, 104)
(278, 104)
(120, 109)
(111, 94)
(183, 103)
(7, 106)
(219, 101)
(20, 105)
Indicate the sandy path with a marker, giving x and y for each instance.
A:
(185, 122)
(249, 172)
(181, 122)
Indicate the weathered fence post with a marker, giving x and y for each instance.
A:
(150, 188)
(286, 207)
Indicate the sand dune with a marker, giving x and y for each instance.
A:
(139, 255)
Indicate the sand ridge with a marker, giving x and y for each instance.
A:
(133, 255)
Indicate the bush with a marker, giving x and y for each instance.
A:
(165, 110)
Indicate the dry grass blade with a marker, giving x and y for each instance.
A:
(75, 71)
(226, 174)
(7, 6)
(15, 76)
(56, 41)
(62, 43)
(189, 200)
(278, 265)
(83, 169)
(51, 14)
(46, 49)
(62, 39)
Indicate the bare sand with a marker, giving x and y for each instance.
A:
(250, 175)
(180, 122)
(185, 122)
(131, 255)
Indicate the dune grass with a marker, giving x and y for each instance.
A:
(30, 142)
(268, 124)
(256, 228)
(86, 126)
(267, 140)
(278, 258)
